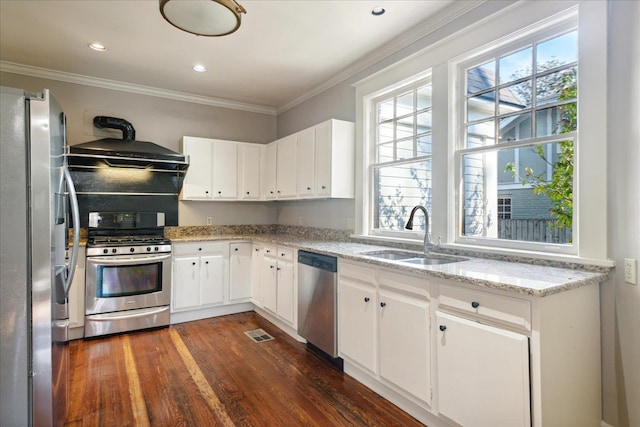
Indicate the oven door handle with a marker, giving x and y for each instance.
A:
(127, 314)
(127, 260)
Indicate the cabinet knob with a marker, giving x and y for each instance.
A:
(278, 191)
(367, 299)
(256, 249)
(206, 192)
(278, 269)
(282, 254)
(324, 187)
(383, 304)
(199, 249)
(247, 193)
(271, 192)
(308, 188)
(442, 328)
(219, 192)
(236, 249)
(268, 251)
(271, 266)
(193, 263)
(206, 262)
(475, 304)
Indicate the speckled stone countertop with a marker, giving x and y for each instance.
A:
(520, 277)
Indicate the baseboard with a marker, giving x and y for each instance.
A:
(205, 313)
(603, 424)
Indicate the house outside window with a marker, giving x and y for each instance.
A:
(518, 135)
(400, 172)
(504, 207)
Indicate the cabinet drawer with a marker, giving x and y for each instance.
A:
(270, 251)
(485, 306)
(361, 272)
(196, 248)
(285, 254)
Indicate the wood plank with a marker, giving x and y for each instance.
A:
(209, 372)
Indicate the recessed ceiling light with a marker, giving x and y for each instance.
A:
(377, 11)
(97, 46)
(199, 68)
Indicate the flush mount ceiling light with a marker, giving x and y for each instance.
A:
(203, 17)
(199, 68)
(97, 46)
(377, 11)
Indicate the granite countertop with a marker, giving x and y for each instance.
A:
(514, 277)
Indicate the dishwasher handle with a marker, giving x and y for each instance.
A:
(321, 261)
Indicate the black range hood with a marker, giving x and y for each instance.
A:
(124, 174)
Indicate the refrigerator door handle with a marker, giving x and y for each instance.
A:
(75, 213)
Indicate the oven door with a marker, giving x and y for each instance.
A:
(126, 282)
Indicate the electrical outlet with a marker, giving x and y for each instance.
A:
(631, 271)
(209, 220)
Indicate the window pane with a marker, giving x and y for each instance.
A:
(424, 122)
(385, 152)
(515, 66)
(424, 97)
(557, 51)
(385, 132)
(481, 78)
(404, 104)
(515, 97)
(385, 110)
(479, 134)
(481, 106)
(398, 189)
(556, 120)
(424, 145)
(404, 149)
(404, 127)
(534, 216)
(556, 86)
(515, 128)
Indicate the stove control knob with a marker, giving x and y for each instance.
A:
(156, 249)
(105, 251)
(114, 250)
(148, 249)
(132, 249)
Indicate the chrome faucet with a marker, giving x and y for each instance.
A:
(427, 241)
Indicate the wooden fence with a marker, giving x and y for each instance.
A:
(533, 230)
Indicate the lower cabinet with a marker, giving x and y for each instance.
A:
(483, 373)
(277, 282)
(200, 275)
(383, 326)
(240, 273)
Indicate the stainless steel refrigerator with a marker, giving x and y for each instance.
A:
(35, 273)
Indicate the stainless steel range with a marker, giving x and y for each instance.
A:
(128, 273)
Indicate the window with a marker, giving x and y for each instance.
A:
(517, 137)
(401, 166)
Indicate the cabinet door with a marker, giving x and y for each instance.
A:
(257, 261)
(212, 280)
(323, 159)
(404, 342)
(186, 283)
(250, 171)
(225, 170)
(270, 185)
(305, 160)
(483, 373)
(286, 286)
(240, 273)
(268, 285)
(197, 182)
(286, 167)
(357, 322)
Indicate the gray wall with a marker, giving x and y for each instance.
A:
(164, 122)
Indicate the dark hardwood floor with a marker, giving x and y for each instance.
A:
(208, 373)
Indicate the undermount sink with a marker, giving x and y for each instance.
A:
(412, 257)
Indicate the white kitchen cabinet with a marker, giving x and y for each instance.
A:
(250, 165)
(383, 326)
(76, 297)
(197, 182)
(404, 342)
(257, 260)
(269, 181)
(277, 283)
(357, 322)
(305, 164)
(483, 373)
(240, 272)
(213, 169)
(200, 275)
(334, 159)
(286, 167)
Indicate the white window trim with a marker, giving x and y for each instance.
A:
(590, 195)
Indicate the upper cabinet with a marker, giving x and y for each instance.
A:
(318, 162)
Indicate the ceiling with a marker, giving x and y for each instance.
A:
(281, 53)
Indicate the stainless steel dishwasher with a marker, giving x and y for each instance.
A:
(317, 301)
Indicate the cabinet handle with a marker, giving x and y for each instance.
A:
(442, 328)
(383, 304)
(367, 299)
(475, 304)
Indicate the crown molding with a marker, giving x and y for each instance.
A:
(449, 14)
(27, 70)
